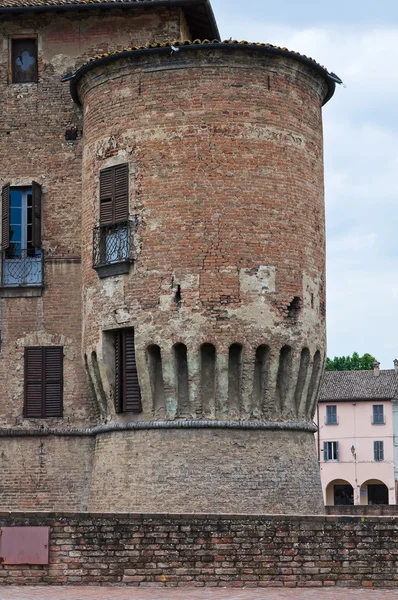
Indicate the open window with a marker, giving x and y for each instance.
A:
(21, 236)
(23, 59)
(112, 239)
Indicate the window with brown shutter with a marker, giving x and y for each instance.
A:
(112, 246)
(21, 214)
(127, 389)
(114, 195)
(5, 217)
(43, 382)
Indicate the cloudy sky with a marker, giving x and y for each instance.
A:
(358, 40)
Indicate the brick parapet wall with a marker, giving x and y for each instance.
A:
(359, 510)
(211, 550)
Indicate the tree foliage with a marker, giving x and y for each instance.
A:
(350, 363)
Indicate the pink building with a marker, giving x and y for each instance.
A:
(355, 437)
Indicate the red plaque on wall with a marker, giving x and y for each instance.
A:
(24, 545)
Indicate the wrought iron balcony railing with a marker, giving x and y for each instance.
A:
(112, 245)
(22, 267)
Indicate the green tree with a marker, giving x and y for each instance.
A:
(350, 363)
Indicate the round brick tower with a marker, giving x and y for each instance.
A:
(223, 286)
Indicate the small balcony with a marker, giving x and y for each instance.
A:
(378, 420)
(113, 249)
(21, 267)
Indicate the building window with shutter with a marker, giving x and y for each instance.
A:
(22, 263)
(127, 389)
(378, 415)
(330, 451)
(331, 415)
(112, 247)
(378, 450)
(23, 59)
(43, 382)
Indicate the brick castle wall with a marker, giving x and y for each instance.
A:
(224, 149)
(208, 550)
(33, 121)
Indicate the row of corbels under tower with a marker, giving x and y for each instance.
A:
(259, 386)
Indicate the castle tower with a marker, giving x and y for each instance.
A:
(204, 315)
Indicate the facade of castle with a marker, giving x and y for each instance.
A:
(162, 299)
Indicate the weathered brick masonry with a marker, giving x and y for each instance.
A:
(226, 291)
(226, 551)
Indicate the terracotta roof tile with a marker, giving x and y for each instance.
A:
(359, 385)
(74, 78)
(179, 43)
(44, 3)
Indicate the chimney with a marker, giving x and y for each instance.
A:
(396, 365)
(376, 368)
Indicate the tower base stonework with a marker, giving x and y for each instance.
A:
(216, 471)
(164, 467)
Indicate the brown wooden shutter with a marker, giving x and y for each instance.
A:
(33, 405)
(53, 381)
(127, 389)
(43, 382)
(121, 197)
(106, 196)
(5, 217)
(36, 215)
(132, 392)
(118, 372)
(114, 195)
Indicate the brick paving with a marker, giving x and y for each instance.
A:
(114, 593)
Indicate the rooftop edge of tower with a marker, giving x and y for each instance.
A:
(227, 45)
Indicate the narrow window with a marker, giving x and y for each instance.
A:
(112, 237)
(378, 450)
(127, 388)
(330, 451)
(24, 60)
(378, 414)
(331, 415)
(21, 236)
(43, 382)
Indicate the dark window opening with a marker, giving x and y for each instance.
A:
(127, 387)
(343, 495)
(377, 493)
(24, 60)
(21, 236)
(43, 382)
(177, 297)
(294, 308)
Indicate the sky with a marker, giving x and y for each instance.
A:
(358, 40)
